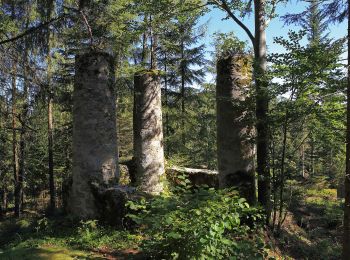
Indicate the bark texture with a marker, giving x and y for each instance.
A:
(235, 131)
(15, 161)
(94, 135)
(148, 133)
(262, 107)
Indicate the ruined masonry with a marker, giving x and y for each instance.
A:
(148, 132)
(94, 135)
(235, 131)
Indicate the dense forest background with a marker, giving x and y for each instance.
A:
(296, 100)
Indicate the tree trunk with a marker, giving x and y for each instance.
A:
(166, 124)
(149, 151)
(346, 234)
(235, 132)
(4, 198)
(182, 93)
(50, 136)
(3, 201)
(49, 10)
(262, 105)
(17, 191)
(282, 177)
(95, 158)
(274, 182)
(303, 161)
(23, 131)
(312, 156)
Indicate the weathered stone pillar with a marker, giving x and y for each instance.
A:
(235, 131)
(94, 134)
(148, 132)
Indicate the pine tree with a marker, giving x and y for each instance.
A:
(183, 59)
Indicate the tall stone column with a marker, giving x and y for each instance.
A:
(148, 132)
(95, 157)
(235, 131)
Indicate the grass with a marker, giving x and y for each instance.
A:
(46, 252)
(61, 238)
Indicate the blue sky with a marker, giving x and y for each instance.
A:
(276, 27)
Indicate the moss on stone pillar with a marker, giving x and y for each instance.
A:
(95, 157)
(235, 131)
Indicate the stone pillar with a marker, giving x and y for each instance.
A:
(95, 157)
(235, 131)
(148, 132)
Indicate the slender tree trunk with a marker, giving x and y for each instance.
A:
(262, 105)
(312, 156)
(346, 234)
(4, 200)
(23, 131)
(154, 45)
(274, 180)
(17, 191)
(182, 68)
(50, 136)
(50, 126)
(166, 123)
(303, 161)
(282, 177)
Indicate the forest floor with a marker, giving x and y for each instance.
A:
(35, 237)
(313, 226)
(311, 231)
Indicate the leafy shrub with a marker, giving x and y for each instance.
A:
(198, 224)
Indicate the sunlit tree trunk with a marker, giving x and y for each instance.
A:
(50, 126)
(15, 163)
(50, 136)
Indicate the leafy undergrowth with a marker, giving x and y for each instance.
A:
(62, 238)
(184, 224)
(313, 226)
(199, 224)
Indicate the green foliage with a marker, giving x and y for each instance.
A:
(308, 104)
(63, 232)
(199, 224)
(228, 44)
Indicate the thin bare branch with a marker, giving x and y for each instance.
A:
(224, 6)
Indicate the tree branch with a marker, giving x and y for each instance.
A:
(32, 29)
(224, 6)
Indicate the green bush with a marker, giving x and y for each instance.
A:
(198, 224)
